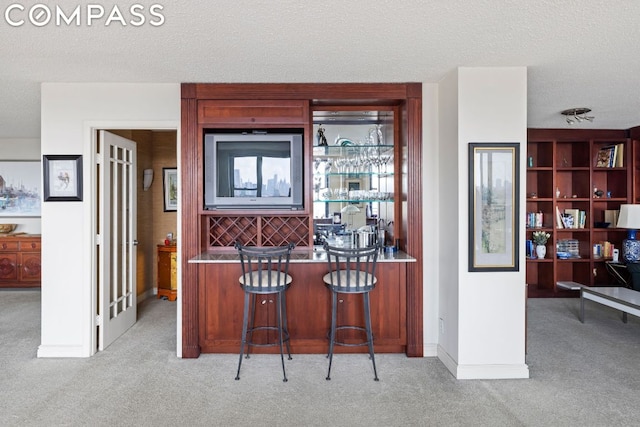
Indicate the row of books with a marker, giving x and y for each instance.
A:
(611, 156)
(571, 218)
(570, 248)
(603, 250)
(534, 219)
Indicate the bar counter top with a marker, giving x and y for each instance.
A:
(299, 256)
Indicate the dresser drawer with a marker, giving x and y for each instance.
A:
(11, 246)
(30, 246)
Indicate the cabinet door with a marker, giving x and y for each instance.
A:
(30, 266)
(221, 307)
(354, 160)
(253, 112)
(8, 266)
(164, 269)
(309, 308)
(388, 310)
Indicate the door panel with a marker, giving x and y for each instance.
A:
(117, 241)
(9, 266)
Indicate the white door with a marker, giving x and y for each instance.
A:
(116, 242)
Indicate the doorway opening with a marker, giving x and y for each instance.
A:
(155, 152)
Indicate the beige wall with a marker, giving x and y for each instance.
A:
(155, 150)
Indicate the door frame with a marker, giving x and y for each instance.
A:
(90, 267)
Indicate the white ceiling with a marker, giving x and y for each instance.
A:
(579, 53)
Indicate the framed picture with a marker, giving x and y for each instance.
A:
(62, 176)
(493, 206)
(20, 188)
(170, 189)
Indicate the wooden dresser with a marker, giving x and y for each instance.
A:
(20, 261)
(167, 272)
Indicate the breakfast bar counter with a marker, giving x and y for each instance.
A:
(316, 255)
(220, 303)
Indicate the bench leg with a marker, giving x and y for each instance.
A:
(581, 307)
(624, 316)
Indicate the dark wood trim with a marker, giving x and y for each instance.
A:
(574, 134)
(414, 234)
(188, 91)
(355, 93)
(190, 236)
(634, 133)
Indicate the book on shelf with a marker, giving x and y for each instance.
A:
(530, 249)
(607, 249)
(559, 223)
(611, 216)
(619, 161)
(610, 156)
(582, 219)
(535, 219)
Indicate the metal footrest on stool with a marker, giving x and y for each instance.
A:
(349, 344)
(251, 343)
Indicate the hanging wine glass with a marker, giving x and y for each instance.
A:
(379, 135)
(385, 159)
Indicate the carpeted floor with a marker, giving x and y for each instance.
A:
(581, 375)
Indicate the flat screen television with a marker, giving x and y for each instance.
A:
(261, 170)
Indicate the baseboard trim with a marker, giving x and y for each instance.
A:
(45, 351)
(492, 372)
(430, 350)
(482, 372)
(148, 294)
(447, 360)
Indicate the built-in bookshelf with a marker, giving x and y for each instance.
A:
(576, 182)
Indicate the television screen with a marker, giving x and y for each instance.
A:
(253, 170)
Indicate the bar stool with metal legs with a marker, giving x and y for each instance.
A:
(351, 271)
(265, 271)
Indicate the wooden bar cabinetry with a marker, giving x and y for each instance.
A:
(20, 261)
(210, 294)
(167, 272)
(308, 309)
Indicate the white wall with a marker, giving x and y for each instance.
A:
(69, 113)
(431, 218)
(491, 306)
(448, 213)
(21, 149)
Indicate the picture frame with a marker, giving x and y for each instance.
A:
(20, 188)
(494, 181)
(170, 189)
(62, 177)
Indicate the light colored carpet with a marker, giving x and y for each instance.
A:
(581, 375)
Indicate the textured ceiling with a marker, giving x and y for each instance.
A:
(578, 53)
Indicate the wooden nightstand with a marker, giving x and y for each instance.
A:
(167, 272)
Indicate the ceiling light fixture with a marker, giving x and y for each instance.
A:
(573, 115)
